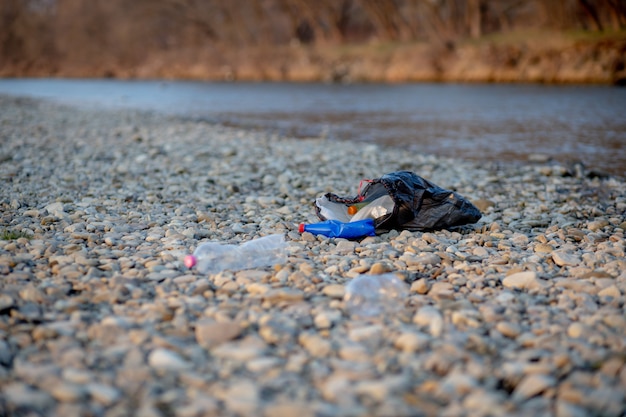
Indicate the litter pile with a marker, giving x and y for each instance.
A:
(399, 200)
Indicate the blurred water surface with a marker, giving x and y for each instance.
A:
(491, 122)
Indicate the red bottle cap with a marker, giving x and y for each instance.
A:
(301, 228)
(190, 261)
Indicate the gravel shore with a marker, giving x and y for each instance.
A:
(521, 314)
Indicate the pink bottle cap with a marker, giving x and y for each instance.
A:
(190, 261)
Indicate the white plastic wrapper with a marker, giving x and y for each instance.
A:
(377, 208)
(339, 211)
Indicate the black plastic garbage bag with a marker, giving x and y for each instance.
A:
(400, 200)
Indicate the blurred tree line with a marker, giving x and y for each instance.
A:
(125, 33)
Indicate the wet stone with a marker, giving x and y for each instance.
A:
(508, 329)
(431, 318)
(411, 341)
(65, 392)
(565, 259)
(6, 302)
(210, 333)
(544, 248)
(532, 385)
(283, 295)
(315, 345)
(103, 394)
(166, 359)
(20, 395)
(334, 291)
(522, 280)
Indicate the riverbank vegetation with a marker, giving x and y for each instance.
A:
(564, 41)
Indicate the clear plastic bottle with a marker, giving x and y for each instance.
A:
(214, 257)
(373, 295)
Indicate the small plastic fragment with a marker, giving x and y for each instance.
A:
(375, 295)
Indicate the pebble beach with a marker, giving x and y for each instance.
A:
(520, 314)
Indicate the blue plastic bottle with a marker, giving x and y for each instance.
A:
(335, 228)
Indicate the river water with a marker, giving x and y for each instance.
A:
(490, 122)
